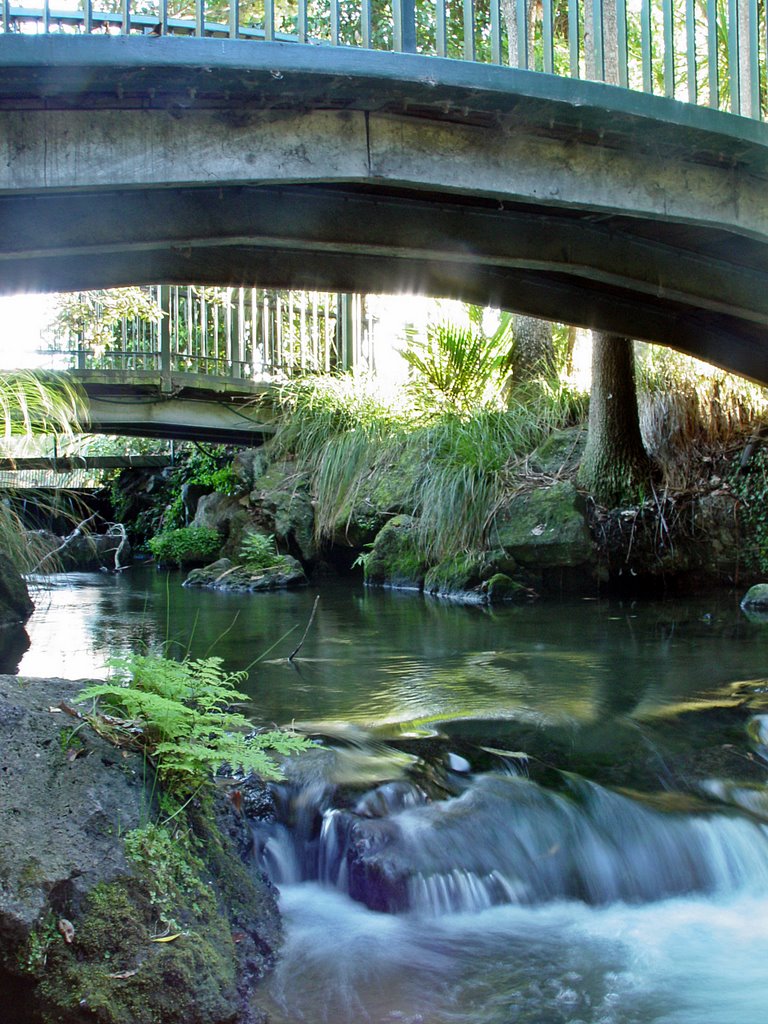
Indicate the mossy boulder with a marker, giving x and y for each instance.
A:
(224, 574)
(561, 452)
(754, 604)
(476, 579)
(281, 504)
(395, 559)
(82, 917)
(15, 602)
(385, 492)
(228, 514)
(545, 529)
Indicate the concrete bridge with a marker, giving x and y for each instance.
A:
(134, 159)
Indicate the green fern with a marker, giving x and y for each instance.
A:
(180, 714)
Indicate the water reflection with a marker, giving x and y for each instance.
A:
(375, 657)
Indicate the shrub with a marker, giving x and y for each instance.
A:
(187, 545)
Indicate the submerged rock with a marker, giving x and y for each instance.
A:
(79, 919)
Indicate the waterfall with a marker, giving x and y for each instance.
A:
(505, 840)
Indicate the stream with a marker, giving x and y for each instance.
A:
(492, 828)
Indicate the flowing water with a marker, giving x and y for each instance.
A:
(468, 845)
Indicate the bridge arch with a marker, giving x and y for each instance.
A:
(133, 160)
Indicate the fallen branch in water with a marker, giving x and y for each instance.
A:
(293, 654)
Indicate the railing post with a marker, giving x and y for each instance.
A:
(749, 58)
(573, 38)
(269, 19)
(301, 22)
(234, 19)
(733, 55)
(404, 14)
(166, 385)
(713, 72)
(345, 329)
(469, 29)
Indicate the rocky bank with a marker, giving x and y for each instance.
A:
(91, 933)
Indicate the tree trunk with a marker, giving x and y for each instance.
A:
(615, 468)
(533, 353)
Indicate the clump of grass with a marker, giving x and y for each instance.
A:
(688, 407)
(346, 436)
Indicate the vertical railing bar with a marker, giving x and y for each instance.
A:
(645, 45)
(397, 25)
(301, 21)
(441, 29)
(573, 37)
(621, 42)
(234, 19)
(469, 29)
(754, 60)
(690, 48)
(163, 17)
(254, 333)
(669, 49)
(598, 40)
(46, 16)
(327, 332)
(335, 22)
(204, 347)
(199, 17)
(522, 33)
(546, 36)
(6, 16)
(365, 16)
(190, 332)
(269, 19)
(496, 32)
(241, 332)
(303, 330)
(125, 27)
(713, 72)
(87, 16)
(733, 55)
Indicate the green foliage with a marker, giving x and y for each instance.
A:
(257, 551)
(751, 488)
(186, 545)
(180, 714)
(459, 369)
(171, 870)
(102, 320)
(33, 954)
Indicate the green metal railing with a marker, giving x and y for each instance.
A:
(237, 334)
(709, 52)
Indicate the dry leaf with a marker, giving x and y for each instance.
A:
(67, 930)
(166, 938)
(122, 975)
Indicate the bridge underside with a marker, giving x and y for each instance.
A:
(289, 166)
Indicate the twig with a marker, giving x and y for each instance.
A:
(77, 532)
(311, 619)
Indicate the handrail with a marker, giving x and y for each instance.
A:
(232, 334)
(711, 52)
